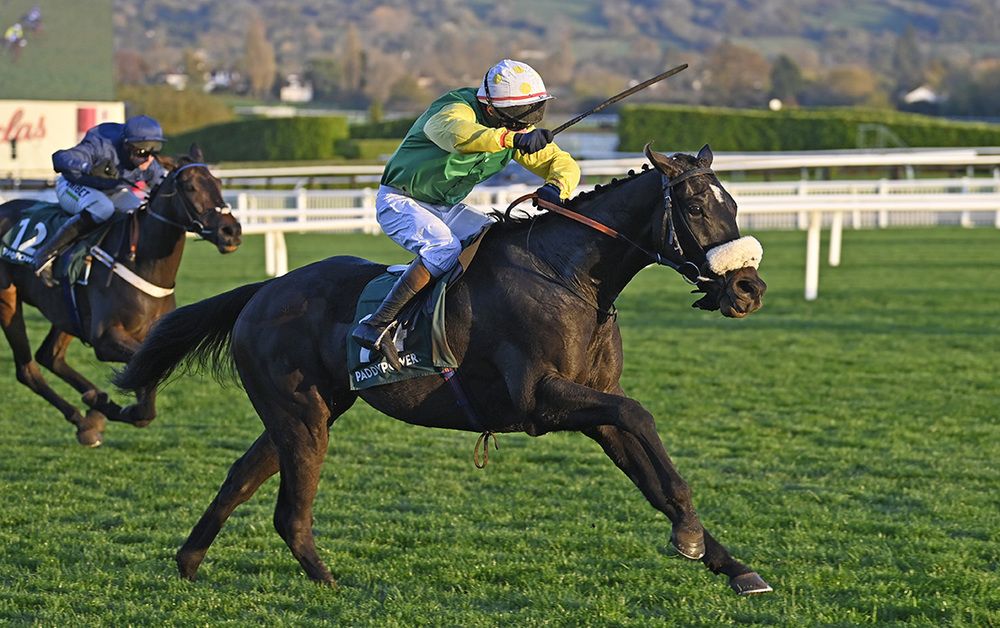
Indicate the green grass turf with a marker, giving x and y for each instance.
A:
(845, 448)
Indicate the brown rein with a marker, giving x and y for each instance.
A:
(686, 269)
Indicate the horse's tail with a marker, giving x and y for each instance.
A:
(197, 335)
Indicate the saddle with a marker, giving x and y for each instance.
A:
(420, 336)
(40, 221)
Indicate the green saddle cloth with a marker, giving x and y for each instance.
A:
(39, 222)
(420, 336)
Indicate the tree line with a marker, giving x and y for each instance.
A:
(400, 55)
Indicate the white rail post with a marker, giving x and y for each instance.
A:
(966, 219)
(269, 254)
(280, 254)
(368, 207)
(855, 214)
(802, 190)
(812, 255)
(302, 204)
(996, 188)
(836, 231)
(241, 208)
(883, 213)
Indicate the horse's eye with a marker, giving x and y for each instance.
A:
(695, 210)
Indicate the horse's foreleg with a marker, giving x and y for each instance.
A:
(628, 454)
(565, 405)
(115, 345)
(245, 476)
(26, 369)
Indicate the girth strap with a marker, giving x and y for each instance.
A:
(450, 375)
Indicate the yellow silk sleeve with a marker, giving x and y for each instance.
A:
(454, 129)
(555, 166)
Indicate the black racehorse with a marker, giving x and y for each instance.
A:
(115, 310)
(530, 322)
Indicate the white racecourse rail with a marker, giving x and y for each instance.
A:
(804, 204)
(807, 205)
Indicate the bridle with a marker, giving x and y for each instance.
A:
(669, 251)
(195, 225)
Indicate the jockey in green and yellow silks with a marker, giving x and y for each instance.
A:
(462, 139)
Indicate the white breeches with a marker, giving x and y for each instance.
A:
(75, 198)
(434, 232)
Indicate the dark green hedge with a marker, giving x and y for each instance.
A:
(387, 129)
(687, 128)
(367, 149)
(266, 139)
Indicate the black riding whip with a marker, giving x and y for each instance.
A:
(628, 92)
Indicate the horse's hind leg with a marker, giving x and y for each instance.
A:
(301, 439)
(26, 369)
(245, 476)
(626, 452)
(52, 355)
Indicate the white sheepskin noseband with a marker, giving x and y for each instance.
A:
(740, 253)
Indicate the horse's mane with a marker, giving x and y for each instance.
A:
(598, 191)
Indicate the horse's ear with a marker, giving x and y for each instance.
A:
(661, 162)
(196, 154)
(705, 156)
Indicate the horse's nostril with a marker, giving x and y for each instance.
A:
(747, 287)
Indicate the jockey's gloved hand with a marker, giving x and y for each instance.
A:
(549, 192)
(105, 169)
(532, 141)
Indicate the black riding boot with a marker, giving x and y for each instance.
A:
(372, 332)
(73, 229)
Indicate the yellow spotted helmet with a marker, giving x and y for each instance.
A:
(516, 91)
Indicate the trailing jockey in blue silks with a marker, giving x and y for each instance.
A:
(96, 178)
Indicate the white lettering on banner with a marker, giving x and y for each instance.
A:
(373, 370)
(16, 128)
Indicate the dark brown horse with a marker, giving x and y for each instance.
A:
(113, 314)
(530, 322)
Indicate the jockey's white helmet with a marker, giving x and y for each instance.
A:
(511, 83)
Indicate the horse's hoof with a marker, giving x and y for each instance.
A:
(187, 565)
(689, 544)
(127, 416)
(90, 429)
(749, 584)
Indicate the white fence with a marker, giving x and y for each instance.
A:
(905, 159)
(807, 205)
